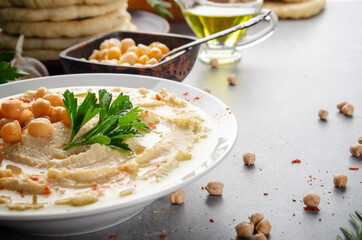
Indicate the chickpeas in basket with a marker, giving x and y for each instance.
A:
(126, 52)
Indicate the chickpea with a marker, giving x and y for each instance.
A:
(214, 63)
(95, 55)
(114, 42)
(104, 45)
(25, 116)
(244, 229)
(133, 49)
(177, 197)
(65, 118)
(256, 218)
(40, 127)
(152, 61)
(40, 107)
(4, 121)
(311, 199)
(12, 108)
(103, 53)
(360, 140)
(356, 150)
(143, 59)
(54, 99)
(11, 132)
(153, 44)
(249, 158)
(164, 49)
(259, 236)
(114, 53)
(143, 49)
(323, 114)
(232, 79)
(215, 188)
(127, 43)
(340, 180)
(341, 104)
(41, 92)
(263, 226)
(155, 53)
(56, 114)
(130, 58)
(348, 109)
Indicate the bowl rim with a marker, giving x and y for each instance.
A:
(63, 55)
(56, 80)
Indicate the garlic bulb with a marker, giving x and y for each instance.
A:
(33, 66)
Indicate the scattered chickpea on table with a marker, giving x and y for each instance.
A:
(346, 108)
(257, 223)
(249, 158)
(177, 197)
(311, 199)
(340, 180)
(215, 188)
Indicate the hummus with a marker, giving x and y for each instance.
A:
(37, 173)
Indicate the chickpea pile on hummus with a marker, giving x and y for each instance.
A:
(37, 172)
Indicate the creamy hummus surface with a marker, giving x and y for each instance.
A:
(36, 172)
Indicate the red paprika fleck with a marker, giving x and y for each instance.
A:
(311, 208)
(196, 98)
(163, 235)
(24, 100)
(296, 161)
(186, 93)
(353, 168)
(211, 220)
(34, 178)
(112, 236)
(293, 214)
(266, 194)
(158, 98)
(47, 190)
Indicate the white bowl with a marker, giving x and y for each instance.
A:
(99, 216)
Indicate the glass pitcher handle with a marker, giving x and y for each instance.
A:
(262, 34)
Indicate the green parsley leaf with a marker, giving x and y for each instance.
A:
(7, 72)
(118, 120)
(161, 7)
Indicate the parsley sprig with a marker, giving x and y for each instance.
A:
(161, 7)
(358, 223)
(7, 72)
(118, 120)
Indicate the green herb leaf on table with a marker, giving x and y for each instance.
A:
(348, 233)
(7, 72)
(161, 7)
(117, 121)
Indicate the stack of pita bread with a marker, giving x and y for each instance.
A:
(295, 9)
(50, 26)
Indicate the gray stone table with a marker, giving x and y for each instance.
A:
(282, 83)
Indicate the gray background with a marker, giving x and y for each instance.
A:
(282, 83)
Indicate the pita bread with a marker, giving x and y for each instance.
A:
(59, 14)
(9, 41)
(71, 29)
(50, 3)
(296, 10)
(50, 54)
